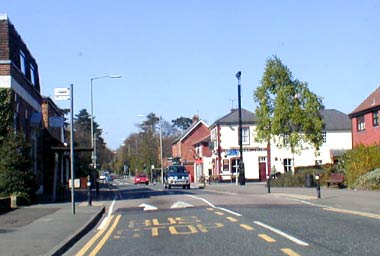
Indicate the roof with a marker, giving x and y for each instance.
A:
(335, 120)
(188, 130)
(232, 118)
(371, 102)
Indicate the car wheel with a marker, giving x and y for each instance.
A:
(169, 187)
(147, 183)
(188, 186)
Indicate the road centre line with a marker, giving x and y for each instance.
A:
(281, 233)
(106, 236)
(215, 207)
(267, 238)
(94, 238)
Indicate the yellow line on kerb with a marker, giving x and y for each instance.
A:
(106, 236)
(289, 252)
(231, 219)
(364, 214)
(94, 238)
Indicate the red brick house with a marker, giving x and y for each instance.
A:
(365, 121)
(183, 148)
(19, 78)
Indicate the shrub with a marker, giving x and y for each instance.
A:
(299, 178)
(369, 181)
(359, 161)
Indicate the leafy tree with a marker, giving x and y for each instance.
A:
(287, 112)
(6, 112)
(182, 123)
(15, 167)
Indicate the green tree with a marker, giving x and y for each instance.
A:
(15, 167)
(288, 111)
(182, 123)
(6, 112)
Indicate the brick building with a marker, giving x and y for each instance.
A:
(365, 121)
(183, 146)
(19, 76)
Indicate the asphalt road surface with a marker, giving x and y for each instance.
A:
(149, 220)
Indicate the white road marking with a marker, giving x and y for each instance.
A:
(110, 211)
(181, 204)
(215, 207)
(281, 233)
(148, 207)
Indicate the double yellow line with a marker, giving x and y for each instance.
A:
(101, 243)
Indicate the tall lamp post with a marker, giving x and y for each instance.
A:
(241, 164)
(93, 137)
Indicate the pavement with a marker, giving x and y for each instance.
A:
(51, 229)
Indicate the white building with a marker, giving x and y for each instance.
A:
(260, 158)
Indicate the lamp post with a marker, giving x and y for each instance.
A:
(241, 164)
(93, 137)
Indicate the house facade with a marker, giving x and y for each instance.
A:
(365, 121)
(19, 76)
(336, 141)
(263, 159)
(182, 147)
(225, 147)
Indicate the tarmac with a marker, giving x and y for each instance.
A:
(51, 229)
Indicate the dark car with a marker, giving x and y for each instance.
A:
(177, 175)
(141, 178)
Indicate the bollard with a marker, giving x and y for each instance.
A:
(318, 186)
(89, 190)
(268, 183)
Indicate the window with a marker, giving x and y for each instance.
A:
(324, 136)
(318, 162)
(32, 76)
(245, 135)
(287, 164)
(226, 165)
(375, 118)
(22, 62)
(361, 123)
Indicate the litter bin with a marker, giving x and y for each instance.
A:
(309, 180)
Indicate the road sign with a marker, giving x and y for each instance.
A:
(56, 121)
(62, 93)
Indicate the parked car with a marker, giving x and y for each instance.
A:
(103, 176)
(141, 178)
(176, 175)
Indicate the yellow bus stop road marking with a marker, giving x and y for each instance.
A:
(267, 238)
(231, 219)
(246, 227)
(289, 252)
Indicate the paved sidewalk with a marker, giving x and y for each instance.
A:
(346, 199)
(46, 229)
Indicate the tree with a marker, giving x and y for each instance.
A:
(182, 123)
(287, 112)
(15, 167)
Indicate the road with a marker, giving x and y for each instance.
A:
(149, 220)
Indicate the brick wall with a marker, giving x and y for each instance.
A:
(370, 136)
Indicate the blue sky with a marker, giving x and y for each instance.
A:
(179, 58)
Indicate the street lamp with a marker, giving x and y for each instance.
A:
(241, 164)
(93, 138)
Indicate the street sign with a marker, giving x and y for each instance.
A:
(62, 93)
(56, 121)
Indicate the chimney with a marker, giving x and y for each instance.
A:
(195, 119)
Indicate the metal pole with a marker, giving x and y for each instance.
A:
(72, 147)
(162, 171)
(241, 164)
(93, 157)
